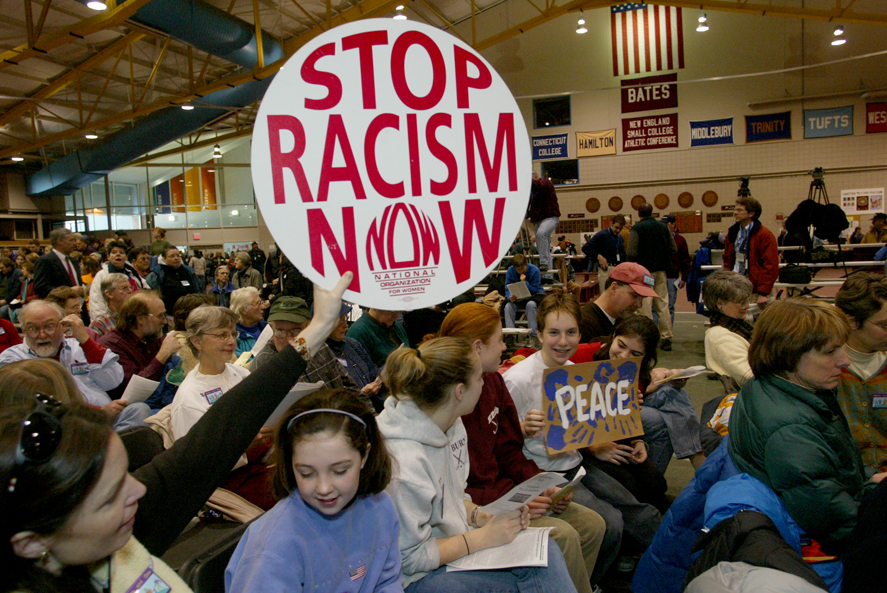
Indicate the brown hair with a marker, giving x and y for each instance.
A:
(134, 307)
(185, 304)
(368, 441)
(426, 374)
(555, 302)
(20, 380)
(89, 265)
(862, 295)
(519, 260)
(470, 321)
(787, 330)
(751, 205)
(61, 295)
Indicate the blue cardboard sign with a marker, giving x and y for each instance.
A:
(591, 403)
(772, 126)
(711, 132)
(825, 123)
(550, 147)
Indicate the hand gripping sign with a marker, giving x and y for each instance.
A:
(393, 150)
(591, 403)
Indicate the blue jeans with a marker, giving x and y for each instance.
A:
(544, 229)
(554, 579)
(131, 416)
(511, 310)
(671, 426)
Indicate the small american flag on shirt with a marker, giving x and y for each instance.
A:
(646, 38)
(359, 572)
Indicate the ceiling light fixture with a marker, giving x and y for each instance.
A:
(91, 136)
(97, 5)
(581, 29)
(839, 36)
(400, 16)
(703, 23)
(187, 106)
(17, 158)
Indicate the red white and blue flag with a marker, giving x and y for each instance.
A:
(646, 38)
(359, 572)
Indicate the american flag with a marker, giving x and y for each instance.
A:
(359, 572)
(646, 38)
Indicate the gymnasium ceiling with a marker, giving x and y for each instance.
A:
(67, 70)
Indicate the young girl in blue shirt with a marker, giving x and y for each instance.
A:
(334, 529)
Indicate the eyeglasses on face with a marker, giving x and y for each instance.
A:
(287, 333)
(40, 438)
(49, 329)
(224, 336)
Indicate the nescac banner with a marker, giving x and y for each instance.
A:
(711, 132)
(652, 92)
(596, 143)
(393, 150)
(591, 403)
(550, 147)
(773, 126)
(875, 118)
(652, 131)
(825, 123)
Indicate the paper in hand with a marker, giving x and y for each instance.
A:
(685, 374)
(529, 548)
(523, 493)
(139, 389)
(519, 290)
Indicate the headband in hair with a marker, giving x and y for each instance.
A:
(330, 410)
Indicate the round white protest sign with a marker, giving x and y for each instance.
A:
(393, 150)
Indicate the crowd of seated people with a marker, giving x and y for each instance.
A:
(389, 462)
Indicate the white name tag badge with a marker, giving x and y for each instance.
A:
(740, 257)
(79, 368)
(185, 283)
(618, 258)
(2, 331)
(343, 362)
(879, 401)
(212, 395)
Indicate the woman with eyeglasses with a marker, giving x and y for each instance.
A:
(249, 307)
(74, 520)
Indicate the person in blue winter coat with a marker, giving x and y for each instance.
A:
(335, 530)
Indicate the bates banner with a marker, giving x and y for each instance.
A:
(394, 150)
(653, 92)
(652, 131)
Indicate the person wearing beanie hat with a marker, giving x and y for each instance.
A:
(629, 283)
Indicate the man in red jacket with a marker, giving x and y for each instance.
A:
(751, 249)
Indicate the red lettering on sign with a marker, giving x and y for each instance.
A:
(312, 75)
(408, 263)
(321, 234)
(474, 219)
(364, 43)
(380, 238)
(385, 189)
(336, 134)
(413, 141)
(474, 135)
(287, 160)
(399, 75)
(430, 242)
(441, 153)
(463, 81)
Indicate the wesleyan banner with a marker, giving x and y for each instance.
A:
(773, 126)
(825, 123)
(711, 132)
(595, 143)
(875, 118)
(591, 403)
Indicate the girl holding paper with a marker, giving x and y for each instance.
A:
(559, 316)
(432, 387)
(495, 448)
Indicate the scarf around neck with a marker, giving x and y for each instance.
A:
(737, 326)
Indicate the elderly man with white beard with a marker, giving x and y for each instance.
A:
(94, 368)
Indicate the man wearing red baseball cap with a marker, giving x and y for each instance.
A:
(629, 283)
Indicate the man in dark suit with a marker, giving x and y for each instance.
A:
(55, 268)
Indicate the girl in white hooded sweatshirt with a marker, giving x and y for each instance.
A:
(432, 388)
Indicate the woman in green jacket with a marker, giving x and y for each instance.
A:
(786, 428)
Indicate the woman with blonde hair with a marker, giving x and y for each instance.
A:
(432, 387)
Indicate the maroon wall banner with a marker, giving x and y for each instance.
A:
(652, 92)
(652, 131)
(875, 117)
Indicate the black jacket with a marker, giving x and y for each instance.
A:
(50, 272)
(651, 245)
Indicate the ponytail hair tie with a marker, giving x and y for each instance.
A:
(418, 354)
